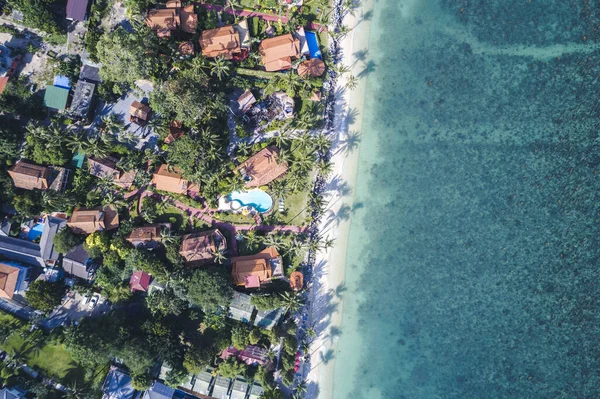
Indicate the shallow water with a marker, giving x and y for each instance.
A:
(472, 267)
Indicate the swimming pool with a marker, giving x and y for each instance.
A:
(35, 232)
(256, 198)
(313, 45)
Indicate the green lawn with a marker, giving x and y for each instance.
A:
(234, 218)
(173, 215)
(40, 353)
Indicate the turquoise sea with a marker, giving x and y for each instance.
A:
(473, 263)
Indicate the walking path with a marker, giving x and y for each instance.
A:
(265, 16)
(203, 214)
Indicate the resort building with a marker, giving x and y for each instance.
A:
(12, 279)
(107, 167)
(30, 176)
(262, 168)
(252, 355)
(268, 319)
(117, 385)
(87, 221)
(221, 388)
(139, 113)
(220, 42)
(239, 389)
(77, 10)
(253, 270)
(203, 382)
(278, 52)
(57, 95)
(82, 99)
(77, 263)
(200, 248)
(159, 391)
(12, 393)
(139, 281)
(246, 101)
(175, 132)
(241, 308)
(33, 253)
(172, 18)
(147, 236)
(170, 180)
(256, 391)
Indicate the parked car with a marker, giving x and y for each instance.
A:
(94, 301)
(86, 298)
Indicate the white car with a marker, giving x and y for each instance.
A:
(94, 301)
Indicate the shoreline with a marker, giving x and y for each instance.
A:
(326, 307)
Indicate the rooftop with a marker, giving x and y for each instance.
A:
(82, 99)
(277, 52)
(262, 168)
(77, 9)
(56, 97)
(29, 176)
(200, 248)
(87, 221)
(170, 179)
(220, 42)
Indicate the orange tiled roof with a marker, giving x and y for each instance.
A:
(88, 221)
(29, 176)
(277, 52)
(145, 233)
(253, 265)
(312, 67)
(139, 110)
(172, 181)
(200, 247)
(163, 20)
(188, 18)
(262, 168)
(220, 42)
(9, 276)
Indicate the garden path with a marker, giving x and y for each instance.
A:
(203, 214)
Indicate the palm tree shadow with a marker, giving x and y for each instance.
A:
(369, 68)
(327, 356)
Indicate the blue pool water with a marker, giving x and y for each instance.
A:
(313, 45)
(35, 232)
(257, 198)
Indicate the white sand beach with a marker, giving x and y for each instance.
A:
(326, 303)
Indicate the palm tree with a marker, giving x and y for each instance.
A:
(284, 157)
(244, 149)
(319, 201)
(77, 143)
(321, 143)
(279, 188)
(219, 256)
(351, 82)
(324, 167)
(252, 239)
(75, 392)
(97, 148)
(291, 302)
(219, 68)
(111, 124)
(274, 240)
(311, 332)
(111, 199)
(167, 237)
(282, 140)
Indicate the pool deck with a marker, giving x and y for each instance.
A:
(204, 215)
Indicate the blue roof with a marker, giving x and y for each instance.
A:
(62, 81)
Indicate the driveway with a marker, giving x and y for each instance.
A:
(74, 308)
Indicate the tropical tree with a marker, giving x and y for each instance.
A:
(351, 82)
(219, 68)
(219, 256)
(291, 302)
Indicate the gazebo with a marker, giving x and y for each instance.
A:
(312, 67)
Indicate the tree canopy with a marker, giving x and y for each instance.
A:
(44, 295)
(209, 290)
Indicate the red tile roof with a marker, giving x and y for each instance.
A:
(140, 281)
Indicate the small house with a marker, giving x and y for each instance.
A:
(239, 389)
(311, 68)
(241, 308)
(170, 180)
(12, 278)
(56, 97)
(77, 10)
(82, 99)
(256, 391)
(203, 382)
(88, 221)
(147, 235)
(268, 319)
(29, 176)
(200, 248)
(159, 391)
(221, 388)
(107, 167)
(246, 101)
(139, 113)
(139, 281)
(117, 385)
(77, 263)
(253, 270)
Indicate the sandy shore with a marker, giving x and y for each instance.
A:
(326, 304)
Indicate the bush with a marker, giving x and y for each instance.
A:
(65, 240)
(44, 295)
(240, 337)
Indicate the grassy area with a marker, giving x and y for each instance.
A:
(295, 210)
(257, 74)
(174, 216)
(234, 218)
(40, 352)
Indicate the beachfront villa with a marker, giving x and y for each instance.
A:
(262, 168)
(30, 176)
(277, 53)
(254, 270)
(200, 248)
